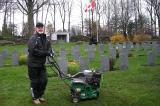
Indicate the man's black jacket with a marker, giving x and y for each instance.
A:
(38, 47)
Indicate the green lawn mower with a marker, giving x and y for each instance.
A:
(83, 85)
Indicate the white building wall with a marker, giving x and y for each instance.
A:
(54, 36)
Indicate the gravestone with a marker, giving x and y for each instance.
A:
(76, 53)
(123, 61)
(91, 55)
(101, 48)
(4, 53)
(144, 45)
(131, 45)
(104, 63)
(154, 45)
(111, 46)
(124, 51)
(63, 53)
(124, 45)
(112, 53)
(15, 58)
(1, 60)
(93, 47)
(137, 46)
(63, 65)
(149, 47)
(158, 48)
(151, 58)
(83, 64)
(87, 47)
(120, 46)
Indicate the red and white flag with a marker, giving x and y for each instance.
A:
(90, 6)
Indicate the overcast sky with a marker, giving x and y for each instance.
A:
(75, 17)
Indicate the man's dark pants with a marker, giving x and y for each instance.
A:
(38, 78)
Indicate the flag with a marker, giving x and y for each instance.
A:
(90, 6)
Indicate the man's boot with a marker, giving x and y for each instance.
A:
(36, 101)
(42, 99)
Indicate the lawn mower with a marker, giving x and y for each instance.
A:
(83, 85)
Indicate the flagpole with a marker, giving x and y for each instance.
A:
(92, 24)
(97, 22)
(89, 25)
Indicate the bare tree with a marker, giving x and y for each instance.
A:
(115, 15)
(6, 8)
(107, 15)
(82, 16)
(29, 8)
(150, 10)
(62, 10)
(156, 6)
(47, 12)
(155, 23)
(5, 4)
(125, 15)
(99, 12)
(70, 4)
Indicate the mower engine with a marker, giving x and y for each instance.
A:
(85, 85)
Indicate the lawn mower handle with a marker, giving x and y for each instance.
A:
(53, 63)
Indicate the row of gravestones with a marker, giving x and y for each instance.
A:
(91, 55)
(90, 49)
(83, 61)
(15, 57)
(123, 55)
(138, 46)
(152, 48)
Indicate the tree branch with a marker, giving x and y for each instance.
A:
(22, 6)
(36, 10)
(21, 10)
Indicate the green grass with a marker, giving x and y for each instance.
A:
(137, 86)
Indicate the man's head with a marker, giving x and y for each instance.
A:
(40, 28)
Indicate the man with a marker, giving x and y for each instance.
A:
(38, 47)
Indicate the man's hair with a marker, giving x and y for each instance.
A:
(39, 24)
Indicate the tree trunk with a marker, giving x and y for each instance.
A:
(63, 26)
(159, 24)
(82, 24)
(30, 24)
(54, 18)
(30, 18)
(37, 15)
(155, 22)
(69, 24)
(151, 20)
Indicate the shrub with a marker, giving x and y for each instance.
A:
(22, 59)
(73, 67)
(117, 37)
(139, 38)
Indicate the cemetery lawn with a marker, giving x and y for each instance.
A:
(137, 86)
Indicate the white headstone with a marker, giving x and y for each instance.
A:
(104, 63)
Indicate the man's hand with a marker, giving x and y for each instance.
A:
(47, 53)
